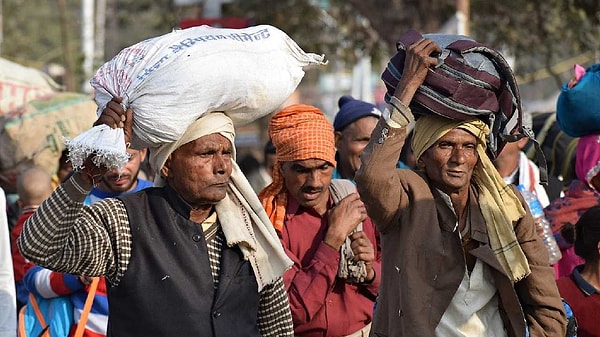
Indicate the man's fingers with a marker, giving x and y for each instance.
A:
(424, 49)
(363, 250)
(128, 120)
(350, 197)
(128, 125)
(115, 107)
(428, 46)
(111, 120)
(115, 116)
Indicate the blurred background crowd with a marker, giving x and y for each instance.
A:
(70, 39)
(50, 50)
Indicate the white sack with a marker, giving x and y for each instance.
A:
(173, 79)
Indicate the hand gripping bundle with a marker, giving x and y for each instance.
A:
(171, 80)
(470, 80)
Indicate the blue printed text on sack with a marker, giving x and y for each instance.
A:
(262, 34)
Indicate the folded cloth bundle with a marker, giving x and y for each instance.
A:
(470, 81)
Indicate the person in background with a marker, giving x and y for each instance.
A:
(407, 157)
(259, 174)
(119, 182)
(579, 197)
(146, 171)
(515, 168)
(34, 185)
(269, 159)
(48, 284)
(581, 289)
(193, 256)
(353, 125)
(8, 298)
(460, 253)
(335, 277)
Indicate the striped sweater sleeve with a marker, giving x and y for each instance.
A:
(66, 236)
(274, 315)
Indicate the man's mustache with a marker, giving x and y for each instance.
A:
(311, 189)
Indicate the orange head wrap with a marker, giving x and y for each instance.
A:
(298, 132)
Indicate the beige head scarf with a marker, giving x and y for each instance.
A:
(256, 238)
(500, 206)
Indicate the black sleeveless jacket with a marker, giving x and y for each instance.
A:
(168, 289)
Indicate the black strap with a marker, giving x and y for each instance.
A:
(539, 154)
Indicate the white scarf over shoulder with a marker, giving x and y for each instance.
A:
(241, 215)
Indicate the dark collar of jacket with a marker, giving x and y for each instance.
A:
(479, 231)
(174, 199)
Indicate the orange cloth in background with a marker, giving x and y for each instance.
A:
(298, 132)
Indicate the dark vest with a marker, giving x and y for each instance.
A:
(168, 289)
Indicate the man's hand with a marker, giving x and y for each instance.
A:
(363, 251)
(416, 65)
(91, 173)
(343, 219)
(115, 116)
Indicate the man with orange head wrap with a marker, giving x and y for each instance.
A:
(324, 229)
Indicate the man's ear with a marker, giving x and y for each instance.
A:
(420, 163)
(164, 170)
(143, 153)
(338, 138)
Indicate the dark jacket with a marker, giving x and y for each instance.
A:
(423, 262)
(163, 237)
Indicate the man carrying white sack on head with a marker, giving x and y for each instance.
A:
(195, 256)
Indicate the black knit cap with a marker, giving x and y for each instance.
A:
(352, 109)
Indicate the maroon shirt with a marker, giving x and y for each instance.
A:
(20, 264)
(321, 303)
(584, 299)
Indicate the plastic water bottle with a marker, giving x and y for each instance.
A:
(542, 225)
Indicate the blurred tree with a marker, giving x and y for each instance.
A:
(391, 18)
(131, 21)
(32, 32)
(539, 33)
(334, 28)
